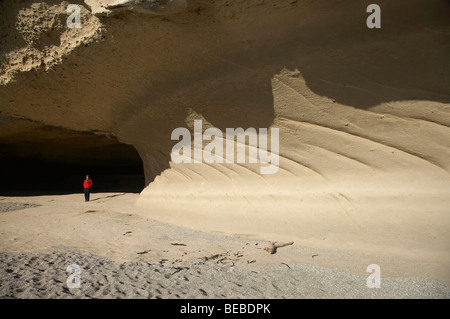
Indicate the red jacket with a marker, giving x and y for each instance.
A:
(87, 183)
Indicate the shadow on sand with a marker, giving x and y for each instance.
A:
(104, 197)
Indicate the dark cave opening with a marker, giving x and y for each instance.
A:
(50, 161)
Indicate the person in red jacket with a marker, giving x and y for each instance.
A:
(86, 184)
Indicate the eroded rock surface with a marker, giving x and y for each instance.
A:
(363, 114)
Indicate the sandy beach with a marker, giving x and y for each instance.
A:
(128, 256)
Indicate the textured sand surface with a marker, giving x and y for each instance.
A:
(10, 206)
(45, 276)
(122, 255)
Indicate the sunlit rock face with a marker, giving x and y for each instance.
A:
(362, 114)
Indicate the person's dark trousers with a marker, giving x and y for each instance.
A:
(86, 194)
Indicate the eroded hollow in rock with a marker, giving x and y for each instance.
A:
(46, 160)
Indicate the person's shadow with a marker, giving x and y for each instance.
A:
(104, 197)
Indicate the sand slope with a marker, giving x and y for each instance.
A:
(356, 178)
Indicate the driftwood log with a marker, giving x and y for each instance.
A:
(272, 248)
